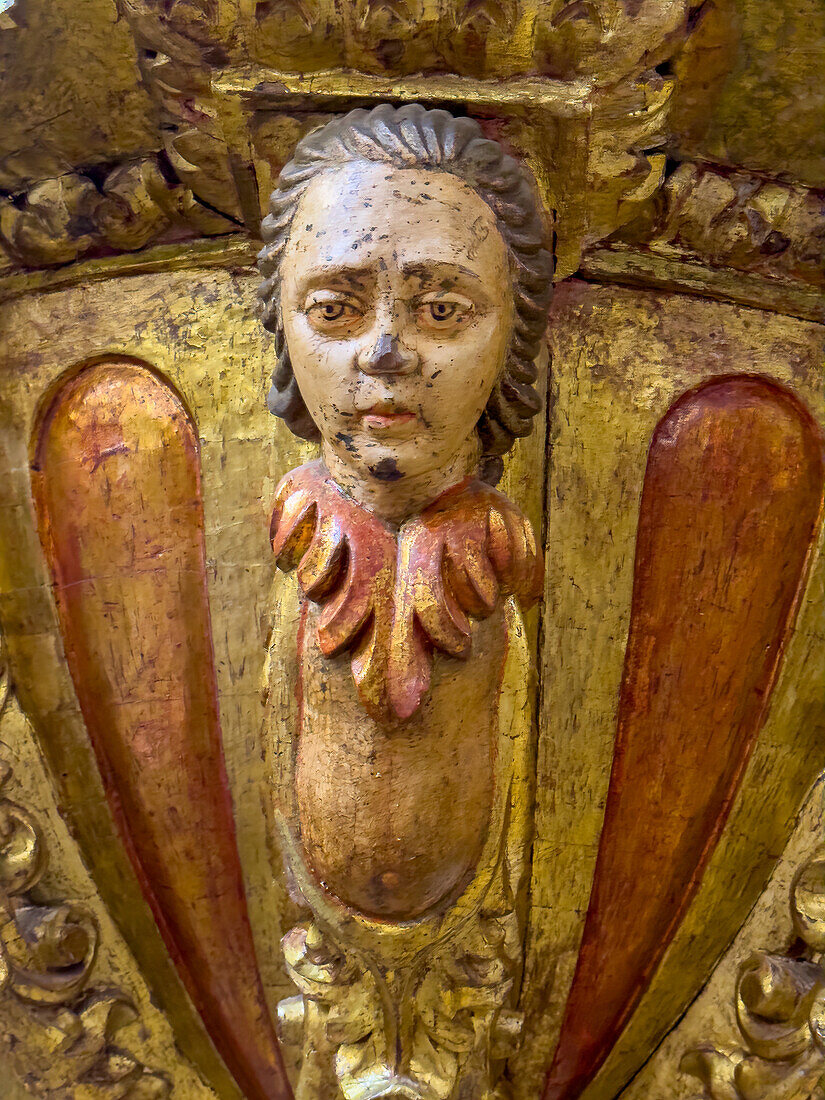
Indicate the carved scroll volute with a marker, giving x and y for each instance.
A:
(780, 1012)
(406, 326)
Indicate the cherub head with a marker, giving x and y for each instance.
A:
(406, 279)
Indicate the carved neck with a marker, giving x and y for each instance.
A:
(396, 501)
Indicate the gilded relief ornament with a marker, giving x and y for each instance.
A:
(407, 280)
(582, 90)
(482, 910)
(780, 1012)
(60, 1029)
(60, 220)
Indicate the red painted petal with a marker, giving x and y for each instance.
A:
(122, 519)
(730, 507)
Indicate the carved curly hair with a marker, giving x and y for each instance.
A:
(414, 137)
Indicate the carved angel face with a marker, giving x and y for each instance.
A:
(397, 307)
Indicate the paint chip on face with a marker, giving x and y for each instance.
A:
(386, 470)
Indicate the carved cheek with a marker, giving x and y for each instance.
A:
(323, 369)
(463, 371)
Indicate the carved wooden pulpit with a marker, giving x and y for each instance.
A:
(412, 607)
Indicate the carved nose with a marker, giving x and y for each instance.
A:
(388, 356)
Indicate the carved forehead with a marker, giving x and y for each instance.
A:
(364, 213)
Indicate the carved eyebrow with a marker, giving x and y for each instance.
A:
(439, 273)
(354, 277)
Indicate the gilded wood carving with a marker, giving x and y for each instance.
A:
(435, 737)
(63, 1027)
(237, 573)
(64, 218)
(407, 283)
(780, 1010)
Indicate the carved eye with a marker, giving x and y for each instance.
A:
(444, 313)
(331, 311)
(332, 314)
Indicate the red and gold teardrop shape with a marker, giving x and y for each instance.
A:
(119, 496)
(730, 507)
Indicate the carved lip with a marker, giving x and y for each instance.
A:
(383, 416)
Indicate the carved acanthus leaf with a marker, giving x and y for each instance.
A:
(61, 219)
(397, 14)
(458, 1024)
(714, 216)
(780, 1010)
(60, 1031)
(484, 15)
(392, 598)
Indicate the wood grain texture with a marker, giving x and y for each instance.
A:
(749, 93)
(730, 505)
(119, 496)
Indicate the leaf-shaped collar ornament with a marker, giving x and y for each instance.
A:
(391, 597)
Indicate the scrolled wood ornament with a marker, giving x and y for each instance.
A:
(780, 1012)
(60, 1031)
(63, 218)
(406, 278)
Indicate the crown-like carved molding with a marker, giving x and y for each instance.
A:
(592, 40)
(582, 90)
